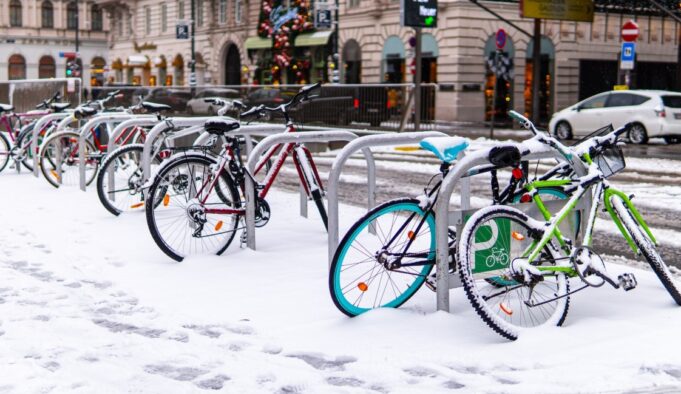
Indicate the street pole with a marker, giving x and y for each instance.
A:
(494, 94)
(77, 27)
(336, 54)
(417, 82)
(536, 70)
(192, 68)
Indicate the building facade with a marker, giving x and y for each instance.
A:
(34, 32)
(578, 59)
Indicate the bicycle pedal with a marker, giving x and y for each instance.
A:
(430, 282)
(627, 281)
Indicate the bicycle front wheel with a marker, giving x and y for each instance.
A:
(187, 222)
(503, 300)
(647, 248)
(361, 276)
(60, 162)
(4, 151)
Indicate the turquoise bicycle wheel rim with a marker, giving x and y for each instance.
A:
(412, 207)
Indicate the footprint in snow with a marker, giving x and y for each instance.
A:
(344, 381)
(182, 374)
(421, 372)
(318, 361)
(214, 383)
(117, 327)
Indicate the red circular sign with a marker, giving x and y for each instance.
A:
(630, 31)
(501, 39)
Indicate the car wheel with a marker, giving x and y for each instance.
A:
(638, 134)
(672, 140)
(563, 131)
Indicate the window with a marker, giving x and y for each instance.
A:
(147, 20)
(15, 13)
(128, 22)
(17, 67)
(625, 99)
(672, 101)
(596, 102)
(46, 67)
(96, 17)
(223, 11)
(353, 3)
(180, 10)
(164, 17)
(47, 15)
(238, 10)
(72, 16)
(199, 13)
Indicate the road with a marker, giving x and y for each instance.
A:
(394, 181)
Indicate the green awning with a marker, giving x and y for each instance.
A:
(313, 39)
(258, 43)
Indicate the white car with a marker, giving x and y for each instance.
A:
(199, 106)
(655, 113)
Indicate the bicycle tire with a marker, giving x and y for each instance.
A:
(27, 162)
(647, 248)
(162, 179)
(499, 315)
(5, 148)
(114, 160)
(343, 263)
(48, 162)
(319, 202)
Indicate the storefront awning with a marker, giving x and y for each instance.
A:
(137, 60)
(258, 43)
(313, 39)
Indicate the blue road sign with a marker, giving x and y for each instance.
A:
(627, 56)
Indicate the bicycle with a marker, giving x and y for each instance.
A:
(202, 194)
(17, 147)
(59, 160)
(124, 165)
(535, 290)
(388, 254)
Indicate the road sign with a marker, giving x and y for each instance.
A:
(627, 56)
(182, 31)
(69, 55)
(620, 87)
(501, 39)
(570, 10)
(323, 19)
(630, 31)
(418, 13)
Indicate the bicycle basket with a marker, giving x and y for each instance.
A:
(610, 160)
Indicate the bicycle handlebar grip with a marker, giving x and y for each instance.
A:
(517, 116)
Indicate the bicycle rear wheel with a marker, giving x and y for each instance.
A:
(498, 296)
(23, 144)
(360, 278)
(4, 151)
(647, 248)
(60, 153)
(181, 224)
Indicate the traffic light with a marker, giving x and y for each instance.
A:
(72, 69)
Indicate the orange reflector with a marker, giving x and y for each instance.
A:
(54, 174)
(166, 200)
(505, 309)
(218, 226)
(411, 235)
(139, 204)
(362, 286)
(517, 236)
(407, 148)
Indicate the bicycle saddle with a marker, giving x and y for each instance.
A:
(504, 156)
(83, 112)
(155, 107)
(6, 108)
(446, 149)
(219, 126)
(58, 107)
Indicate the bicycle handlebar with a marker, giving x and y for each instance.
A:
(46, 103)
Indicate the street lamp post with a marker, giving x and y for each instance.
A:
(192, 69)
(336, 54)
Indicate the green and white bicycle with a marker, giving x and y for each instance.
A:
(531, 289)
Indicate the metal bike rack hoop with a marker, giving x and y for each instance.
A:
(138, 120)
(530, 150)
(363, 144)
(262, 147)
(36, 130)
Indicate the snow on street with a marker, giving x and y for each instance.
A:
(88, 303)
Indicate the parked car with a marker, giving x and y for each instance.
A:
(176, 98)
(270, 97)
(198, 104)
(340, 105)
(655, 113)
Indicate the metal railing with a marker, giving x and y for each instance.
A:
(379, 106)
(25, 94)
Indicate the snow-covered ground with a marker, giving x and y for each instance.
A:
(89, 304)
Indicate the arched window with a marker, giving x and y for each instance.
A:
(15, 19)
(72, 16)
(47, 14)
(17, 67)
(46, 67)
(96, 17)
(352, 57)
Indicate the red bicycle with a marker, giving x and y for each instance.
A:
(198, 197)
